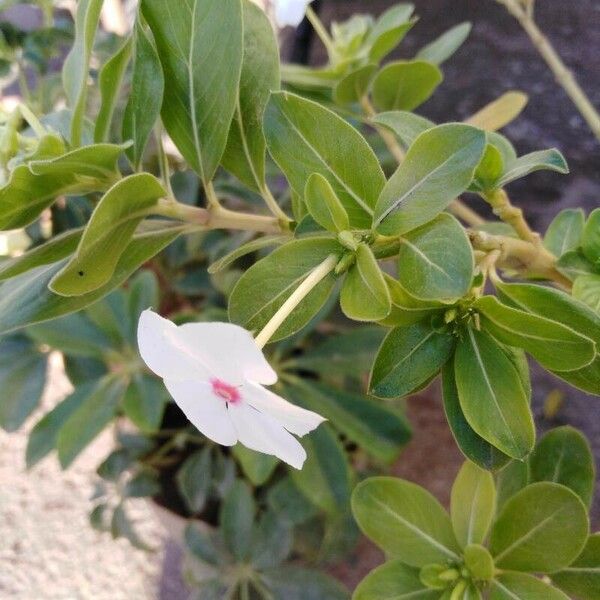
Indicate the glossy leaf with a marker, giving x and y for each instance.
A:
(393, 581)
(542, 528)
(442, 48)
(500, 112)
(404, 520)
(590, 242)
(472, 505)
(203, 74)
(404, 85)
(305, 138)
(582, 577)
(565, 232)
(108, 234)
(492, 396)
(324, 206)
(563, 456)
(246, 147)
(549, 160)
(409, 357)
(438, 166)
(520, 586)
(354, 86)
(263, 288)
(145, 100)
(365, 295)
(194, 478)
(435, 261)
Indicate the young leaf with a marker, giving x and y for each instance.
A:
(109, 81)
(590, 242)
(354, 86)
(203, 74)
(406, 125)
(145, 402)
(409, 357)
(587, 289)
(365, 295)
(435, 261)
(479, 561)
(92, 415)
(108, 234)
(404, 85)
(552, 344)
(404, 520)
(194, 478)
(489, 170)
(582, 577)
(492, 396)
(472, 504)
(471, 444)
(442, 48)
(305, 138)
(500, 112)
(246, 147)
(542, 528)
(389, 30)
(550, 160)
(565, 232)
(393, 581)
(324, 206)
(76, 67)
(146, 96)
(263, 288)
(521, 586)
(564, 456)
(438, 166)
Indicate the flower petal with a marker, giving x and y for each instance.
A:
(163, 353)
(261, 432)
(205, 411)
(290, 12)
(229, 350)
(294, 418)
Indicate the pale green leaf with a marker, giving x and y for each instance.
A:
(442, 48)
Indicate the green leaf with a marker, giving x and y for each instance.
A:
(145, 402)
(43, 437)
(142, 485)
(92, 415)
(582, 577)
(587, 289)
(237, 518)
(511, 479)
(499, 113)
(246, 147)
(115, 465)
(194, 479)
(471, 444)
(438, 166)
(324, 206)
(572, 264)
(22, 377)
(489, 170)
(549, 160)
(409, 357)
(297, 583)
(145, 99)
(565, 232)
(263, 288)
(203, 74)
(325, 477)
(143, 293)
(442, 48)
(542, 528)
(520, 586)
(305, 138)
(492, 396)
(109, 81)
(590, 242)
(472, 504)
(34, 187)
(286, 500)
(552, 344)
(121, 526)
(76, 67)
(257, 467)
(404, 85)
(272, 541)
(26, 299)
(563, 456)
(354, 86)
(108, 234)
(405, 520)
(393, 581)
(365, 295)
(377, 429)
(435, 261)
(406, 125)
(479, 562)
(245, 249)
(200, 541)
(389, 30)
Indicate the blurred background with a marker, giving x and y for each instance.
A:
(48, 550)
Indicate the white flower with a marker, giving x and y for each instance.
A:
(214, 372)
(290, 12)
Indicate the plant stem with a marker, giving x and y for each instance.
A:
(504, 209)
(320, 30)
(313, 279)
(211, 195)
(563, 75)
(272, 204)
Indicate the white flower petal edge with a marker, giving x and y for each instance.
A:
(214, 372)
(290, 12)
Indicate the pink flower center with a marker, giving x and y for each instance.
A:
(228, 392)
